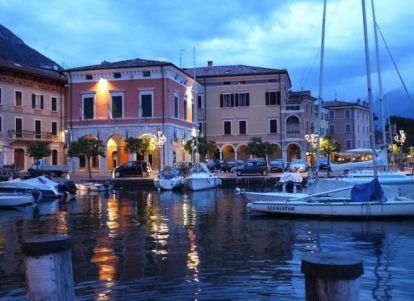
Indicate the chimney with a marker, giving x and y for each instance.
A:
(210, 63)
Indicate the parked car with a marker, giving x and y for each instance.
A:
(324, 163)
(40, 167)
(277, 166)
(228, 165)
(132, 168)
(298, 165)
(251, 167)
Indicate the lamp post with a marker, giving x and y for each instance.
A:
(160, 140)
(400, 138)
(312, 139)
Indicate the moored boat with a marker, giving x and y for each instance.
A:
(47, 187)
(14, 199)
(201, 178)
(169, 179)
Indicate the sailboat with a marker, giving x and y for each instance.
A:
(365, 200)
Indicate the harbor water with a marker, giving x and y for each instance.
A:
(149, 245)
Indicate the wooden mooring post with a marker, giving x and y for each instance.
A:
(332, 276)
(48, 263)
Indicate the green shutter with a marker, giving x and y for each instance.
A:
(247, 100)
(41, 101)
(232, 100)
(33, 101)
(237, 99)
(267, 98)
(221, 100)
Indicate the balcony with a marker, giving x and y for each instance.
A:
(30, 136)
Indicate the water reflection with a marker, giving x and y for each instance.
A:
(142, 245)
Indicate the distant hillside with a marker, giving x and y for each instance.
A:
(12, 48)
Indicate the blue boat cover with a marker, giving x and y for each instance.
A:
(366, 192)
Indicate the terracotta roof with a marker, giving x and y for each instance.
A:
(232, 70)
(19, 67)
(122, 64)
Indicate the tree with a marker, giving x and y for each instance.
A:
(327, 146)
(204, 146)
(139, 147)
(38, 151)
(260, 148)
(88, 147)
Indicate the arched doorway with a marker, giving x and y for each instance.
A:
(241, 153)
(115, 151)
(19, 158)
(228, 152)
(293, 152)
(154, 154)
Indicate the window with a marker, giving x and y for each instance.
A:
(117, 74)
(54, 104)
(200, 101)
(192, 111)
(176, 105)
(146, 104)
(358, 130)
(347, 114)
(272, 98)
(242, 100)
(292, 126)
(0, 96)
(146, 73)
(331, 129)
(54, 157)
(347, 128)
(227, 127)
(88, 76)
(38, 129)
(201, 129)
(18, 98)
(242, 127)
(226, 100)
(348, 143)
(331, 115)
(117, 105)
(185, 108)
(273, 126)
(37, 101)
(1, 124)
(54, 128)
(88, 106)
(19, 127)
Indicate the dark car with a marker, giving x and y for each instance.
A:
(277, 165)
(324, 163)
(132, 168)
(228, 165)
(251, 167)
(298, 165)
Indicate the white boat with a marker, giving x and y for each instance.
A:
(384, 177)
(381, 162)
(47, 187)
(356, 205)
(201, 178)
(93, 187)
(14, 199)
(169, 179)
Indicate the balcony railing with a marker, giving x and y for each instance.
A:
(30, 135)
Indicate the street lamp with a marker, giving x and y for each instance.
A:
(312, 139)
(400, 138)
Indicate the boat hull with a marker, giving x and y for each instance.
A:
(195, 183)
(168, 184)
(15, 199)
(342, 207)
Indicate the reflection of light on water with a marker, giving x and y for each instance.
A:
(105, 260)
(113, 216)
(63, 223)
(193, 261)
(311, 243)
(160, 234)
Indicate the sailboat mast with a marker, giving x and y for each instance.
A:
(381, 90)
(320, 95)
(368, 67)
(195, 108)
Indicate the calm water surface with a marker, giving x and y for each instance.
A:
(146, 245)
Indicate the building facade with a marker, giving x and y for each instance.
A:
(132, 98)
(349, 123)
(31, 111)
(238, 102)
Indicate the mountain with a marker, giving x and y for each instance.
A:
(12, 48)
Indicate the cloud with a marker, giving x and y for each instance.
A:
(268, 33)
